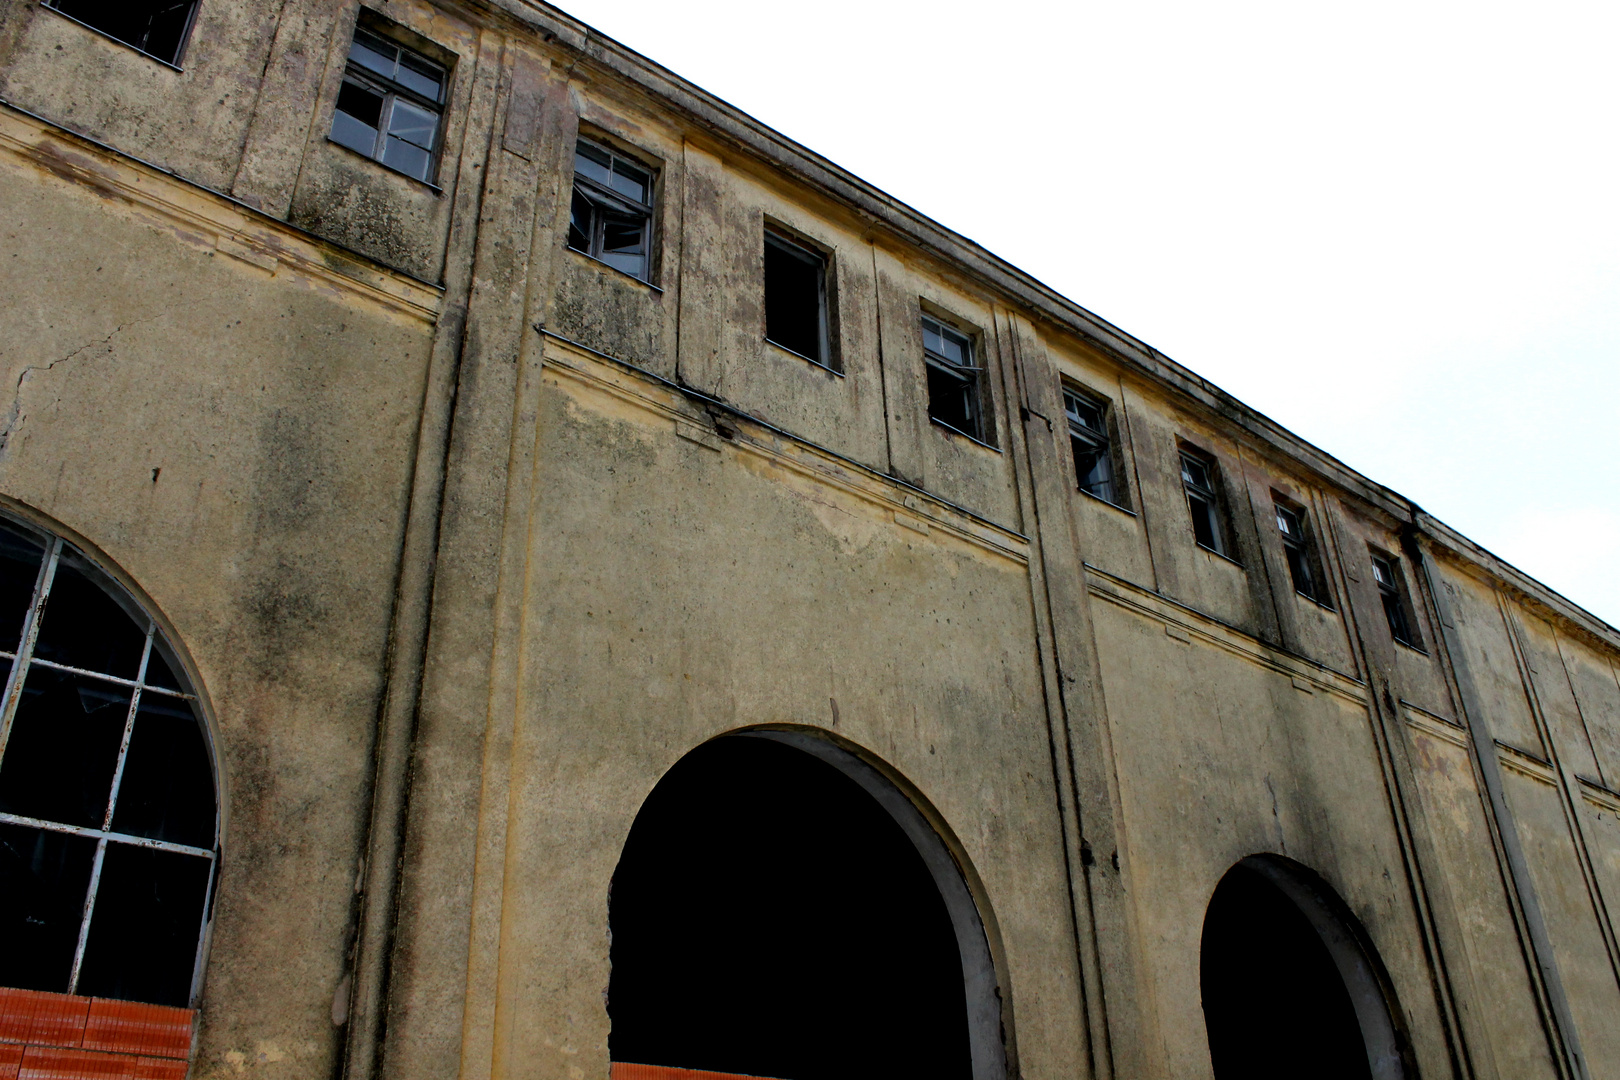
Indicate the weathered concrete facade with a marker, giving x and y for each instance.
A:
(467, 538)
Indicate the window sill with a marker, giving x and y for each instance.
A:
(1224, 558)
(1410, 647)
(1324, 605)
(435, 188)
(806, 359)
(120, 41)
(1106, 502)
(627, 276)
(958, 431)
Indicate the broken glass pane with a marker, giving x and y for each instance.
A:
(793, 297)
(43, 878)
(143, 935)
(84, 627)
(579, 223)
(414, 125)
(950, 400)
(59, 761)
(20, 557)
(167, 792)
(359, 112)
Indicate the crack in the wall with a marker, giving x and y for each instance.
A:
(15, 415)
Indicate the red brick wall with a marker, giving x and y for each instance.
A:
(63, 1037)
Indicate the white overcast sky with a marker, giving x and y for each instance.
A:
(1392, 227)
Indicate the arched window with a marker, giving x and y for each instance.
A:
(781, 909)
(1291, 985)
(108, 818)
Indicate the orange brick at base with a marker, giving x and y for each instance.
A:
(10, 1058)
(624, 1070)
(131, 1028)
(40, 1018)
(55, 1063)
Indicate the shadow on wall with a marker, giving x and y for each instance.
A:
(774, 916)
(1291, 984)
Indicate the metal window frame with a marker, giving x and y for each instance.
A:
(1098, 440)
(23, 661)
(1395, 590)
(822, 261)
(598, 194)
(392, 91)
(968, 374)
(1211, 496)
(1303, 544)
(179, 55)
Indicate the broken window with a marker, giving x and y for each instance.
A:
(1089, 438)
(1199, 479)
(390, 107)
(954, 386)
(612, 213)
(1304, 564)
(157, 28)
(796, 298)
(108, 816)
(1397, 605)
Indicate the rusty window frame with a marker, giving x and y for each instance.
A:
(962, 377)
(1300, 550)
(392, 92)
(23, 660)
(1091, 437)
(1397, 601)
(88, 20)
(597, 204)
(1201, 483)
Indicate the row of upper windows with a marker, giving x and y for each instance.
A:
(1097, 472)
(390, 108)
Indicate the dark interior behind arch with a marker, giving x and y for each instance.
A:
(770, 918)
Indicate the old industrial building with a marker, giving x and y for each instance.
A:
(510, 568)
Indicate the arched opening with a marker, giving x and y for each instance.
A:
(109, 823)
(1291, 986)
(781, 909)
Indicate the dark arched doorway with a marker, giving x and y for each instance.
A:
(1291, 986)
(782, 910)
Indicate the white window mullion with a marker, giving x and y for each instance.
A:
(89, 912)
(25, 648)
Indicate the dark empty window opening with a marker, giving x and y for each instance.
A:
(1199, 479)
(611, 218)
(954, 386)
(1304, 563)
(157, 28)
(770, 918)
(1392, 592)
(1275, 1005)
(391, 105)
(796, 299)
(1095, 470)
(108, 818)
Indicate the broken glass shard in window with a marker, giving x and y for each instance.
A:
(84, 627)
(167, 790)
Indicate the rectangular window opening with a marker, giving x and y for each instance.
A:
(1096, 469)
(611, 217)
(796, 299)
(157, 28)
(391, 105)
(1304, 561)
(954, 387)
(1199, 479)
(1397, 603)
